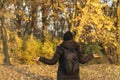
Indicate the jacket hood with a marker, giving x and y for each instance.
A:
(70, 44)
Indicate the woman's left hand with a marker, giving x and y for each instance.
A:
(96, 56)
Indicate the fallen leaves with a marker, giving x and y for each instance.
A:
(46, 72)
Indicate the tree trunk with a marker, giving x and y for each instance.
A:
(4, 41)
(118, 14)
(118, 31)
(4, 35)
(44, 21)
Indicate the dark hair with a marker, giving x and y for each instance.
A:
(68, 36)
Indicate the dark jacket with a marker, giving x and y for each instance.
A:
(58, 56)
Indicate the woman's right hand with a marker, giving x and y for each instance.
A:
(36, 59)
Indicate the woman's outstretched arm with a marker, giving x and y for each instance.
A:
(54, 59)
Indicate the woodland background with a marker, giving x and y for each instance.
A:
(31, 28)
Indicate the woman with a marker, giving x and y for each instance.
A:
(67, 43)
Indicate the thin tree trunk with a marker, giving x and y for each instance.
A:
(117, 19)
(118, 25)
(4, 41)
(4, 35)
(44, 28)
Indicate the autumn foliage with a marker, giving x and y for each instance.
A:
(35, 27)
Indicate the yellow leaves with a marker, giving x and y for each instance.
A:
(20, 12)
(1, 58)
(79, 32)
(108, 28)
(118, 14)
(95, 4)
(75, 20)
(93, 15)
(61, 4)
(100, 26)
(26, 18)
(93, 40)
(59, 1)
(18, 42)
(82, 40)
(115, 0)
(2, 12)
(54, 14)
(48, 2)
(9, 15)
(63, 8)
(6, 14)
(47, 49)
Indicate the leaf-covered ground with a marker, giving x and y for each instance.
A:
(45, 72)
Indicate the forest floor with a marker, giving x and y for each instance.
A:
(45, 72)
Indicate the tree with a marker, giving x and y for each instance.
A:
(4, 32)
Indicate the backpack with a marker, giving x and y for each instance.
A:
(70, 61)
